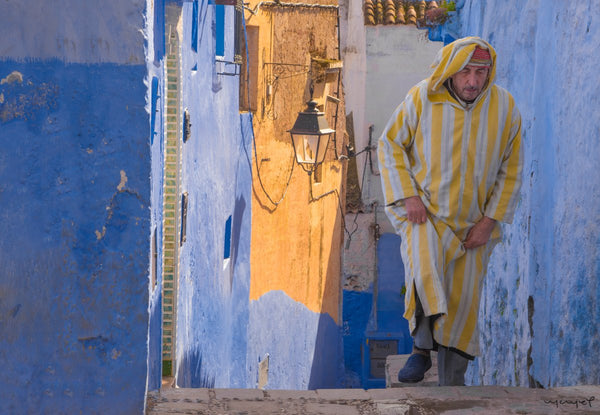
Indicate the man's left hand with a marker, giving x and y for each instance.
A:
(480, 233)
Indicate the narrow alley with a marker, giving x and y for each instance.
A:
(204, 207)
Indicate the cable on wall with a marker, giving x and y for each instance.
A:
(262, 186)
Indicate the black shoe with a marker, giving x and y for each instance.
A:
(415, 368)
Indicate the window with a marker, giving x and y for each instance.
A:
(227, 242)
(221, 32)
(154, 263)
(159, 30)
(154, 109)
(194, 40)
(187, 126)
(239, 31)
(184, 208)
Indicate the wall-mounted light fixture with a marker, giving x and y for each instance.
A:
(310, 137)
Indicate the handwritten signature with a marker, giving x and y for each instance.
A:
(575, 402)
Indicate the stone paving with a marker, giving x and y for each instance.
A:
(416, 400)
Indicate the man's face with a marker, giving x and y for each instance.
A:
(469, 82)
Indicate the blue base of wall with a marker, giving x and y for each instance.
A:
(304, 347)
(357, 309)
(75, 238)
(363, 322)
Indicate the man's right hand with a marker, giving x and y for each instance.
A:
(416, 212)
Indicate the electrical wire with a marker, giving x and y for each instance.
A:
(335, 191)
(262, 186)
(362, 184)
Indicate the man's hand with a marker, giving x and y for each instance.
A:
(415, 209)
(480, 233)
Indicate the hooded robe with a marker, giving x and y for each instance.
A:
(464, 161)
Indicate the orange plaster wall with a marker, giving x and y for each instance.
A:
(296, 245)
(296, 248)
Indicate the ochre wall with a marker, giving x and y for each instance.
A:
(295, 244)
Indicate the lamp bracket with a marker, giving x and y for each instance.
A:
(282, 70)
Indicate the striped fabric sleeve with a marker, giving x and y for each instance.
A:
(393, 151)
(505, 195)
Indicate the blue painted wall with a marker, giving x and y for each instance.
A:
(221, 336)
(304, 347)
(542, 289)
(357, 312)
(375, 314)
(212, 303)
(75, 197)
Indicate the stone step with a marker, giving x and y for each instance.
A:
(449, 400)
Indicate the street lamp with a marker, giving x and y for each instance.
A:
(310, 137)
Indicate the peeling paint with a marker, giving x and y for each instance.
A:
(115, 354)
(27, 102)
(547, 266)
(123, 181)
(100, 235)
(14, 76)
(89, 265)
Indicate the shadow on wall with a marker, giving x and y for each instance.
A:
(238, 215)
(193, 376)
(357, 311)
(327, 364)
(303, 346)
(155, 342)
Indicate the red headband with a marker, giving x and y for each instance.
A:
(481, 57)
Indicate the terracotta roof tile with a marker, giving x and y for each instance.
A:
(396, 12)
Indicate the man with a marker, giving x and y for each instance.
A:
(450, 160)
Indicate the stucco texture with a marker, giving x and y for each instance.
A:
(540, 310)
(212, 303)
(73, 31)
(296, 241)
(75, 196)
(296, 245)
(74, 190)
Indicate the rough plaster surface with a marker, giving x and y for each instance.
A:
(296, 244)
(540, 308)
(304, 347)
(75, 195)
(74, 31)
(213, 292)
(74, 246)
(297, 249)
(155, 106)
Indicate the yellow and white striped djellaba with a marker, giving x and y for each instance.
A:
(464, 161)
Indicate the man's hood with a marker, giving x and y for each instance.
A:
(454, 57)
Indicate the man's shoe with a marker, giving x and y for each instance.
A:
(415, 368)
